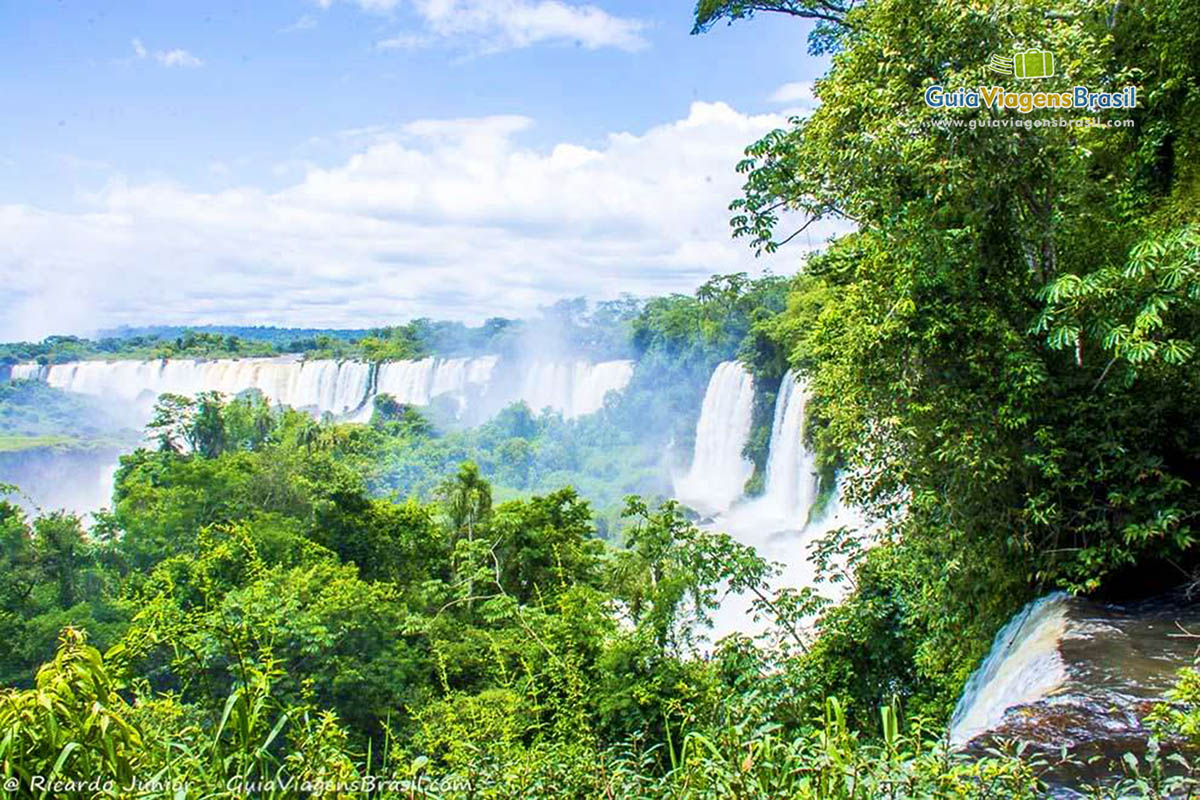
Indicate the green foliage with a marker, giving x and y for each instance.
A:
(1142, 314)
(1180, 715)
(73, 725)
(1001, 359)
(829, 15)
(76, 736)
(1000, 353)
(273, 623)
(184, 343)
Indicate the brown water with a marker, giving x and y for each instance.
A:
(1069, 672)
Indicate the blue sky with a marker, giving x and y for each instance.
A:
(361, 161)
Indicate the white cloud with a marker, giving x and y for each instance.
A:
(405, 41)
(176, 57)
(492, 25)
(445, 218)
(520, 23)
(800, 92)
(378, 6)
(306, 22)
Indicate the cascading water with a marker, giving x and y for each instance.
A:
(345, 389)
(319, 386)
(719, 471)
(791, 479)
(1071, 672)
(573, 389)
(418, 382)
(28, 372)
(780, 525)
(406, 381)
(342, 388)
(1023, 665)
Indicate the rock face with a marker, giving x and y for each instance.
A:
(1070, 672)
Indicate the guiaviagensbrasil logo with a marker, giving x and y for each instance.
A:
(1024, 65)
(1030, 64)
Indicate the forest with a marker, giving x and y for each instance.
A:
(599, 332)
(1001, 358)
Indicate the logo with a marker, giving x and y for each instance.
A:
(1030, 64)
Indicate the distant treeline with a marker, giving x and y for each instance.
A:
(567, 328)
(282, 338)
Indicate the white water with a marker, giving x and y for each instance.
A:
(787, 542)
(27, 372)
(1024, 666)
(339, 388)
(792, 481)
(719, 471)
(343, 388)
(418, 382)
(574, 389)
(780, 525)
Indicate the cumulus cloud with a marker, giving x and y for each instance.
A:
(492, 25)
(176, 57)
(799, 93)
(444, 218)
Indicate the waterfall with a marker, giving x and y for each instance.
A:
(572, 388)
(409, 382)
(317, 386)
(593, 383)
(27, 372)
(1023, 665)
(779, 525)
(719, 471)
(343, 388)
(791, 481)
(416, 383)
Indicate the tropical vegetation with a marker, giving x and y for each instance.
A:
(1001, 353)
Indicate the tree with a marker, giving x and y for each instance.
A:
(1000, 352)
(208, 425)
(172, 423)
(668, 562)
(466, 499)
(830, 15)
(62, 550)
(18, 559)
(545, 545)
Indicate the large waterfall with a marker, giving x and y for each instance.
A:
(320, 386)
(780, 524)
(418, 382)
(345, 388)
(573, 388)
(719, 471)
(791, 481)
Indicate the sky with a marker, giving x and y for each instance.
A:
(351, 163)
